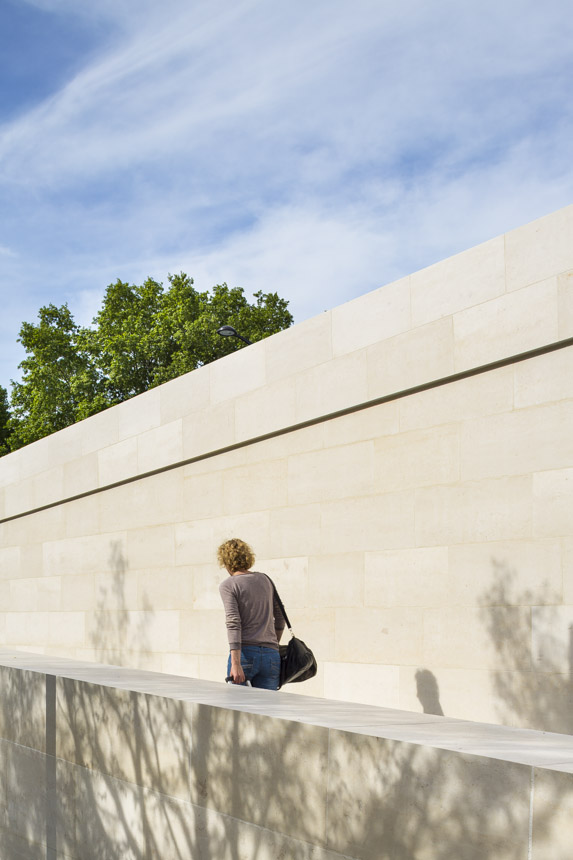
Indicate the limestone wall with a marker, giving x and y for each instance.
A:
(99, 762)
(402, 465)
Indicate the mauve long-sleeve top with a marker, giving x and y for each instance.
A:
(252, 613)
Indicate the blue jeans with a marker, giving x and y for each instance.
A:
(262, 666)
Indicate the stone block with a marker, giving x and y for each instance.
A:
(82, 518)
(237, 373)
(217, 463)
(204, 632)
(316, 627)
(160, 447)
(334, 473)
(369, 423)
(509, 325)
(180, 663)
(467, 637)
(565, 300)
(195, 542)
(116, 588)
(539, 250)
(19, 497)
(250, 765)
(117, 462)
(139, 414)
(373, 317)
(184, 395)
(553, 503)
(26, 774)
(78, 593)
(552, 638)
(299, 348)
(213, 667)
(165, 588)
(293, 531)
(10, 562)
(387, 636)
(366, 683)
(27, 628)
(23, 707)
(138, 738)
(150, 502)
(293, 442)
(473, 512)
(205, 579)
(467, 279)
(99, 431)
(544, 379)
(151, 547)
(210, 430)
(88, 554)
(266, 410)
(552, 799)
(467, 694)
(291, 577)
(332, 386)
(5, 589)
(517, 573)
(202, 494)
(417, 459)
(536, 439)
(407, 577)
(11, 468)
(66, 629)
(473, 397)
(48, 487)
(414, 358)
(34, 529)
(567, 557)
(255, 487)
(392, 799)
(40, 594)
(336, 580)
(368, 523)
(80, 475)
(254, 528)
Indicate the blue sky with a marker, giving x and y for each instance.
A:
(317, 149)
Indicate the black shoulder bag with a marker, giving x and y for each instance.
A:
(297, 660)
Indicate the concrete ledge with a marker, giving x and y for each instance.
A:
(100, 761)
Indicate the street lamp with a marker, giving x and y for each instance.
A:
(229, 331)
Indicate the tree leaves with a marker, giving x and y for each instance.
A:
(141, 337)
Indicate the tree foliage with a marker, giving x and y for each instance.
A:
(142, 336)
(4, 418)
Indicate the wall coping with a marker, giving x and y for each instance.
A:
(546, 750)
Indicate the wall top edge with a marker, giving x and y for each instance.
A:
(545, 750)
(508, 295)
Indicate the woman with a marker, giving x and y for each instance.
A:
(254, 619)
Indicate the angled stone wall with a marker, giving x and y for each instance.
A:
(104, 762)
(401, 464)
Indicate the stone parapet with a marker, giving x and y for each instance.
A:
(99, 761)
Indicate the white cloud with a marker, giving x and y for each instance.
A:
(319, 149)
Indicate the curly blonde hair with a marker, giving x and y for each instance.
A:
(235, 555)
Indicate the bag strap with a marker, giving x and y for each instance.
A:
(280, 603)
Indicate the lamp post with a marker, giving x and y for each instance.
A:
(229, 331)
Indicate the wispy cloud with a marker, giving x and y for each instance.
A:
(317, 149)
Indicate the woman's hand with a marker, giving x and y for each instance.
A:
(237, 673)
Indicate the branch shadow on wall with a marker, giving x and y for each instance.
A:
(115, 638)
(533, 681)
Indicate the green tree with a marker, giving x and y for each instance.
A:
(59, 379)
(142, 336)
(4, 418)
(146, 335)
